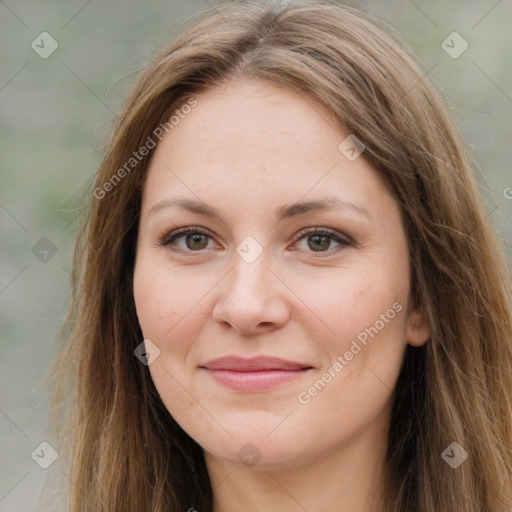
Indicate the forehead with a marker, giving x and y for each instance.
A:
(241, 120)
(252, 139)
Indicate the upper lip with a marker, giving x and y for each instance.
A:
(259, 363)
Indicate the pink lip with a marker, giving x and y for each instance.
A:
(255, 374)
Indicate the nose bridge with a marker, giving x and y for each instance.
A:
(250, 275)
(250, 297)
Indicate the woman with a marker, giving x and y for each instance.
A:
(288, 293)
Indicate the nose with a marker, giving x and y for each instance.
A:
(252, 299)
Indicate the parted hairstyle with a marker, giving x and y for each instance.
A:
(124, 450)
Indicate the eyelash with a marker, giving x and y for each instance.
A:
(167, 239)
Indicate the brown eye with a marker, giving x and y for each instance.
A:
(319, 240)
(195, 239)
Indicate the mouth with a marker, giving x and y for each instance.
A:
(255, 374)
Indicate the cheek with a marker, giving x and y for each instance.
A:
(171, 315)
(167, 302)
(364, 345)
(362, 358)
(360, 306)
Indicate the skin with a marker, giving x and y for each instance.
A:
(247, 149)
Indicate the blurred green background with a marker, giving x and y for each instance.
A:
(56, 116)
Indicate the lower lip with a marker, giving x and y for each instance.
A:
(255, 381)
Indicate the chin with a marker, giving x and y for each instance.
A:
(260, 454)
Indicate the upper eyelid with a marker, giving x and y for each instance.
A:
(186, 230)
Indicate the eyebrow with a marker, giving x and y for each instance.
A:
(283, 212)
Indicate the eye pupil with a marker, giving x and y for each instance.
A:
(196, 239)
(316, 237)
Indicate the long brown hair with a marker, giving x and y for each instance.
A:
(125, 451)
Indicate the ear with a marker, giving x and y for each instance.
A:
(418, 327)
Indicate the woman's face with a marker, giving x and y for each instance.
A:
(252, 171)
